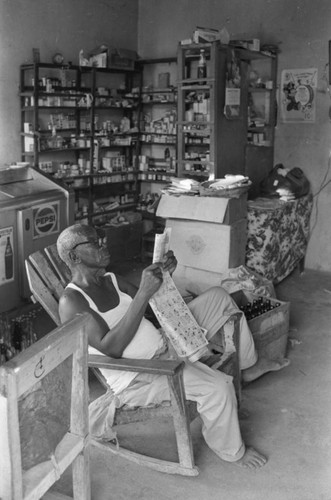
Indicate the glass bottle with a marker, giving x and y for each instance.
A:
(9, 260)
(202, 66)
(16, 336)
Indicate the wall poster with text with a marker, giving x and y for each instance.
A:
(6, 255)
(298, 95)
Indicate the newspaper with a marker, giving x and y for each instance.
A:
(179, 325)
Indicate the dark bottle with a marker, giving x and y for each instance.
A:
(3, 358)
(9, 260)
(202, 66)
(16, 336)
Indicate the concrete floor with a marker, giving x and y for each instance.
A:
(289, 422)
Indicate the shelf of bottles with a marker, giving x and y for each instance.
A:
(196, 81)
(261, 101)
(46, 90)
(16, 334)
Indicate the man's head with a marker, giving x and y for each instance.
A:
(81, 242)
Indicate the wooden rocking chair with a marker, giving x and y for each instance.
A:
(48, 275)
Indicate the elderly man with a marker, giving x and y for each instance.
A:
(118, 328)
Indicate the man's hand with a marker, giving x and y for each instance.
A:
(151, 280)
(170, 262)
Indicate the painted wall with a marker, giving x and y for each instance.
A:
(302, 29)
(65, 26)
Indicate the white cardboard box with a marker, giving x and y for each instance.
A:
(208, 246)
(208, 235)
(203, 208)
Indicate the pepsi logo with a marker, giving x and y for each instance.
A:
(45, 219)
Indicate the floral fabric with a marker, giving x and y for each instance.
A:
(277, 236)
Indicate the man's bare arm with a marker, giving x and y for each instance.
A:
(112, 342)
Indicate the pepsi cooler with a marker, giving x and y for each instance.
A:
(34, 209)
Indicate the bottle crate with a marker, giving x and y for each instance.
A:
(270, 327)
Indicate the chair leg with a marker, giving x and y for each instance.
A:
(181, 422)
(81, 476)
(185, 466)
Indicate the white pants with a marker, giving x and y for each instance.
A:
(211, 389)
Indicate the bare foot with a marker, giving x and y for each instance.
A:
(262, 366)
(252, 459)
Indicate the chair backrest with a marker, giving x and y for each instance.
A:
(47, 279)
(48, 276)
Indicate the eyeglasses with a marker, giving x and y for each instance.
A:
(100, 242)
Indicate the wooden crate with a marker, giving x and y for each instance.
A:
(44, 416)
(270, 329)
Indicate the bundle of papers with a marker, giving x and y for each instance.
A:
(182, 186)
(229, 182)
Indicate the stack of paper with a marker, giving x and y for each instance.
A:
(181, 186)
(229, 182)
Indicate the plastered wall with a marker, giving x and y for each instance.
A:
(302, 29)
(153, 28)
(65, 26)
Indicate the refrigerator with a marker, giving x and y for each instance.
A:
(34, 209)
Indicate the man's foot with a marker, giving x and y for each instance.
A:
(262, 366)
(252, 459)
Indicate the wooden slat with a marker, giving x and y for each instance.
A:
(181, 421)
(61, 268)
(154, 366)
(40, 478)
(152, 463)
(41, 293)
(42, 265)
(55, 495)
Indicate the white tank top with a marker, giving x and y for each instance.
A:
(144, 345)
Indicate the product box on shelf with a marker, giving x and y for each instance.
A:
(121, 58)
(270, 328)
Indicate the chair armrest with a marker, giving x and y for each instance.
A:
(154, 366)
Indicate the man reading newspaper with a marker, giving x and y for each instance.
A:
(119, 328)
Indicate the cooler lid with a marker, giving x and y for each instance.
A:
(22, 182)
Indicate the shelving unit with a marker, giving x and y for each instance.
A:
(80, 124)
(197, 105)
(226, 120)
(157, 159)
(261, 113)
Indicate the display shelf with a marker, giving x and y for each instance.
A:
(158, 129)
(236, 136)
(84, 119)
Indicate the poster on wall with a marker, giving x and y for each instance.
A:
(298, 95)
(6, 255)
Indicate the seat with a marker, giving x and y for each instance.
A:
(48, 276)
(44, 416)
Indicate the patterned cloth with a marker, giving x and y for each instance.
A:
(277, 236)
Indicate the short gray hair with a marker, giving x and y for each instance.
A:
(69, 238)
